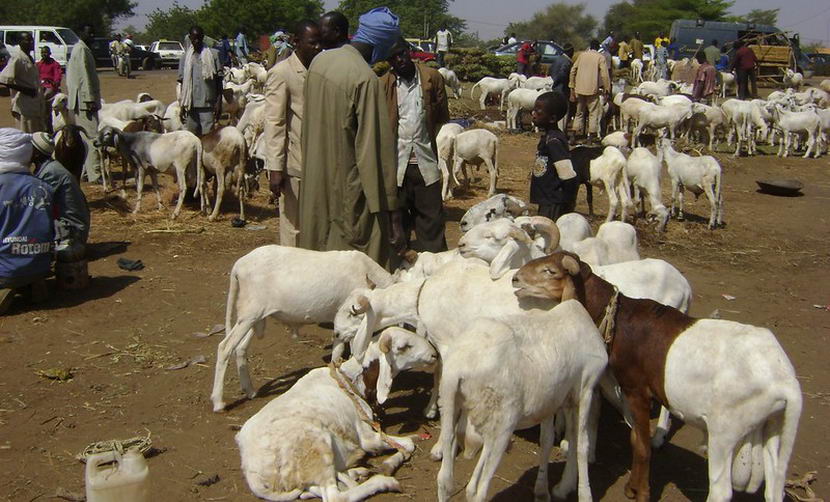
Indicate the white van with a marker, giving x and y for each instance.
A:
(59, 40)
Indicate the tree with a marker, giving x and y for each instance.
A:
(418, 18)
(651, 17)
(256, 17)
(760, 16)
(75, 14)
(561, 22)
(171, 24)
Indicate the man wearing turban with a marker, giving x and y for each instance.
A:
(349, 194)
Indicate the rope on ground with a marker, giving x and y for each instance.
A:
(143, 444)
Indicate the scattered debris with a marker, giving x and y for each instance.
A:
(59, 374)
(238, 222)
(194, 360)
(715, 314)
(129, 265)
(212, 480)
(255, 227)
(215, 330)
(63, 493)
(143, 445)
(423, 436)
(822, 307)
(728, 297)
(804, 484)
(198, 230)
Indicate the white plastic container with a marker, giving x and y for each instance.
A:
(124, 481)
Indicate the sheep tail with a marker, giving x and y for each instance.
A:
(233, 294)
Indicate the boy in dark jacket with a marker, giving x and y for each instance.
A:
(553, 184)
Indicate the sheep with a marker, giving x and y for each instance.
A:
(697, 175)
(306, 442)
(493, 86)
(445, 142)
(618, 139)
(147, 123)
(71, 148)
(143, 97)
(643, 171)
(497, 206)
(292, 285)
(727, 80)
(257, 72)
(629, 105)
(616, 242)
(824, 129)
(743, 118)
(150, 152)
(538, 83)
(451, 81)
(517, 101)
(714, 119)
(130, 110)
(60, 114)
(418, 266)
(659, 88)
(731, 380)
(172, 118)
(606, 170)
(793, 79)
(497, 391)
(659, 117)
(636, 71)
(507, 245)
(475, 147)
(225, 156)
(235, 98)
(825, 85)
(573, 227)
(793, 123)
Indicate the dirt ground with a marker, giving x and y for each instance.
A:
(118, 336)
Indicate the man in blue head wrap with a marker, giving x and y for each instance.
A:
(349, 194)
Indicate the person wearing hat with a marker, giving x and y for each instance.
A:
(26, 226)
(72, 223)
(349, 193)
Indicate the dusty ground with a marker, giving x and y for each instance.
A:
(120, 334)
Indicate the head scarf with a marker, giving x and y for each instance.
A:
(208, 72)
(15, 150)
(379, 28)
(43, 143)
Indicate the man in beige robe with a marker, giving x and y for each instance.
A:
(283, 127)
(349, 194)
(589, 78)
(23, 78)
(84, 97)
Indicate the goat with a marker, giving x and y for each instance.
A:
(476, 147)
(451, 81)
(643, 170)
(292, 285)
(445, 143)
(498, 391)
(493, 86)
(497, 206)
(690, 366)
(304, 442)
(149, 152)
(697, 175)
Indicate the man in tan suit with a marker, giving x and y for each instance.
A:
(284, 124)
(589, 78)
(417, 102)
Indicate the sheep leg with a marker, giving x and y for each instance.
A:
(154, 178)
(811, 143)
(713, 203)
(445, 179)
(447, 441)
(220, 192)
(720, 447)
(431, 411)
(663, 428)
(546, 440)
(457, 169)
(482, 101)
(638, 482)
(242, 358)
(589, 195)
(612, 200)
(139, 187)
(373, 485)
(493, 176)
(487, 464)
(182, 182)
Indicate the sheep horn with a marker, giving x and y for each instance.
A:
(369, 283)
(385, 342)
(519, 235)
(514, 208)
(411, 256)
(361, 306)
(547, 227)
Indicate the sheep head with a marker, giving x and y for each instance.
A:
(550, 278)
(400, 350)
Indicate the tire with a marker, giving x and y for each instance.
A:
(148, 64)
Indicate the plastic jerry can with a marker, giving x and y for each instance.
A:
(123, 481)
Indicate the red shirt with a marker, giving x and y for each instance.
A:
(50, 74)
(745, 59)
(524, 51)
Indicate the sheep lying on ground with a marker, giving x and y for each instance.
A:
(497, 206)
(292, 285)
(573, 227)
(616, 242)
(306, 442)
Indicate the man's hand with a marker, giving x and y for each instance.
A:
(93, 106)
(217, 109)
(275, 181)
(573, 96)
(182, 114)
(396, 235)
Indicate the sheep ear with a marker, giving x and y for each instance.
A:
(360, 342)
(385, 342)
(501, 263)
(570, 264)
(369, 283)
(384, 384)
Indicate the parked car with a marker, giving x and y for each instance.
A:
(169, 50)
(139, 59)
(820, 63)
(547, 49)
(4, 55)
(60, 40)
(143, 47)
(421, 50)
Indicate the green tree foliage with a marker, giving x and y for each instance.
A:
(73, 14)
(416, 16)
(170, 24)
(759, 16)
(651, 17)
(256, 17)
(561, 22)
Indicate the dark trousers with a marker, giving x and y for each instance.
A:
(554, 211)
(746, 78)
(441, 55)
(423, 211)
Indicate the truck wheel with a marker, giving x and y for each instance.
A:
(148, 64)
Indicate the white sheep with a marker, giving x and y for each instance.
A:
(697, 175)
(616, 242)
(451, 81)
(619, 139)
(445, 142)
(538, 83)
(498, 390)
(791, 123)
(643, 169)
(292, 285)
(573, 227)
(476, 147)
(608, 171)
(130, 110)
(497, 206)
(636, 71)
(520, 100)
(659, 88)
(61, 115)
(172, 119)
(742, 117)
(306, 442)
(793, 79)
(225, 155)
(714, 118)
(630, 106)
(497, 87)
(659, 117)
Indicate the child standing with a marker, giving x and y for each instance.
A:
(553, 185)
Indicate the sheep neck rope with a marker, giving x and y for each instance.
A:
(608, 323)
(347, 386)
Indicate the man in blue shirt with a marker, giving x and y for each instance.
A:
(241, 47)
(26, 224)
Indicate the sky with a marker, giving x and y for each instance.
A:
(810, 18)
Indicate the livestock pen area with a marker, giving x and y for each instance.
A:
(133, 354)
